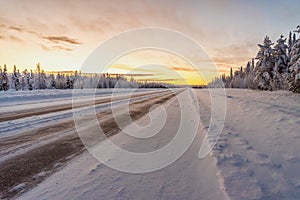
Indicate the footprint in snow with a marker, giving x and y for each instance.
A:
(249, 148)
(233, 159)
(121, 190)
(262, 159)
(292, 159)
(296, 182)
(241, 141)
(239, 180)
(95, 169)
(235, 134)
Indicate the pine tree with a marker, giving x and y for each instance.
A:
(31, 80)
(38, 77)
(264, 65)
(43, 78)
(290, 43)
(281, 65)
(23, 80)
(248, 68)
(238, 79)
(5, 80)
(281, 57)
(15, 84)
(1, 79)
(249, 75)
(294, 77)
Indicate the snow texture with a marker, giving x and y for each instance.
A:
(256, 157)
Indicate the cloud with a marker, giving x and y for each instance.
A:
(45, 48)
(139, 75)
(55, 48)
(183, 69)
(15, 39)
(58, 39)
(235, 55)
(2, 37)
(15, 28)
(131, 68)
(162, 79)
(2, 25)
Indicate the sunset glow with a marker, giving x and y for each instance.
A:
(61, 34)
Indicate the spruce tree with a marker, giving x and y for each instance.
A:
(15, 79)
(264, 65)
(5, 80)
(1, 79)
(281, 65)
(290, 43)
(294, 77)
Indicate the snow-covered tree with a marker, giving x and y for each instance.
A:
(281, 57)
(290, 43)
(248, 68)
(22, 81)
(249, 75)
(280, 71)
(294, 77)
(37, 80)
(1, 79)
(238, 79)
(231, 74)
(30, 80)
(15, 79)
(264, 65)
(43, 80)
(5, 79)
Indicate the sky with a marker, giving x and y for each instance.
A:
(61, 34)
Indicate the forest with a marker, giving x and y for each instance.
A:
(275, 67)
(39, 79)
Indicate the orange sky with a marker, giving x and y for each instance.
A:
(155, 65)
(61, 34)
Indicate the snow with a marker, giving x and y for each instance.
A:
(277, 67)
(257, 154)
(16, 101)
(86, 178)
(256, 157)
(19, 187)
(12, 98)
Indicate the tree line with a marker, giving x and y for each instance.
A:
(38, 80)
(275, 67)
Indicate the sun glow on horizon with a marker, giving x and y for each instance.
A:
(31, 33)
(160, 66)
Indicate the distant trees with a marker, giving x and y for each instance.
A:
(4, 80)
(39, 80)
(277, 67)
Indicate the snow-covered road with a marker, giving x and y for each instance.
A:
(35, 110)
(51, 139)
(256, 157)
(186, 178)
